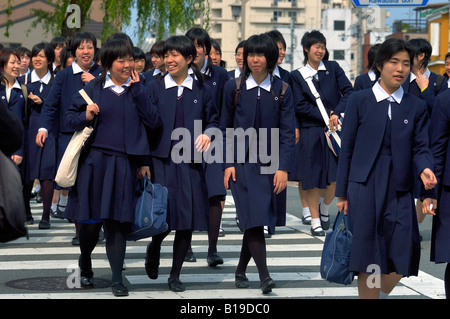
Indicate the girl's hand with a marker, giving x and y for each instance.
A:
(429, 206)
(342, 204)
(202, 143)
(17, 159)
(280, 181)
(428, 178)
(86, 77)
(229, 172)
(91, 111)
(36, 99)
(144, 170)
(421, 82)
(134, 77)
(41, 136)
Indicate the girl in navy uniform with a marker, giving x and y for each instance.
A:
(439, 141)
(67, 82)
(182, 103)
(315, 165)
(426, 85)
(41, 160)
(367, 80)
(254, 190)
(158, 70)
(12, 93)
(385, 139)
(239, 58)
(113, 157)
(215, 77)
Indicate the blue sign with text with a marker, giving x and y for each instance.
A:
(390, 3)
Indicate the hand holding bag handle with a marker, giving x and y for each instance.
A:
(67, 169)
(308, 77)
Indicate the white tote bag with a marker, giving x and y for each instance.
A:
(67, 170)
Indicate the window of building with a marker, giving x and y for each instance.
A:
(339, 25)
(338, 54)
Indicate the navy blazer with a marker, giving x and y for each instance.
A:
(273, 115)
(216, 80)
(362, 82)
(59, 100)
(199, 104)
(430, 93)
(136, 142)
(11, 130)
(335, 87)
(16, 104)
(440, 139)
(362, 137)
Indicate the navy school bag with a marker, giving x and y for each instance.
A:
(150, 210)
(334, 264)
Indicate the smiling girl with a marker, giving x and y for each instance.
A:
(111, 160)
(384, 141)
(180, 100)
(41, 160)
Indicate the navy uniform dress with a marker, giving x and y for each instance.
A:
(428, 95)
(41, 160)
(440, 122)
(118, 146)
(258, 107)
(315, 164)
(66, 84)
(383, 142)
(364, 81)
(179, 107)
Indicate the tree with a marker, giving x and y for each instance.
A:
(154, 16)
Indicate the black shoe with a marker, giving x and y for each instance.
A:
(30, 220)
(190, 257)
(213, 260)
(318, 231)
(38, 197)
(241, 281)
(119, 290)
(176, 285)
(87, 282)
(44, 224)
(267, 285)
(76, 241)
(151, 265)
(57, 214)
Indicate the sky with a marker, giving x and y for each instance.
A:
(402, 13)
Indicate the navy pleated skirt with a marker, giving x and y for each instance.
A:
(104, 188)
(41, 160)
(188, 206)
(440, 234)
(256, 203)
(383, 223)
(314, 165)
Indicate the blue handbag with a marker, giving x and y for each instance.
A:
(334, 264)
(150, 211)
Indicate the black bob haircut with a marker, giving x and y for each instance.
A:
(48, 51)
(278, 37)
(311, 38)
(420, 46)
(79, 38)
(111, 51)
(186, 48)
(203, 39)
(264, 44)
(387, 49)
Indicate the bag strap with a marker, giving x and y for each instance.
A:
(25, 95)
(308, 77)
(85, 97)
(238, 90)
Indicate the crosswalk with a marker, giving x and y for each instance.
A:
(293, 257)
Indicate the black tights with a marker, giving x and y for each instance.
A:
(115, 233)
(47, 189)
(447, 281)
(181, 245)
(254, 245)
(215, 216)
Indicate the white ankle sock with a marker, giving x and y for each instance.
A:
(324, 212)
(315, 224)
(306, 213)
